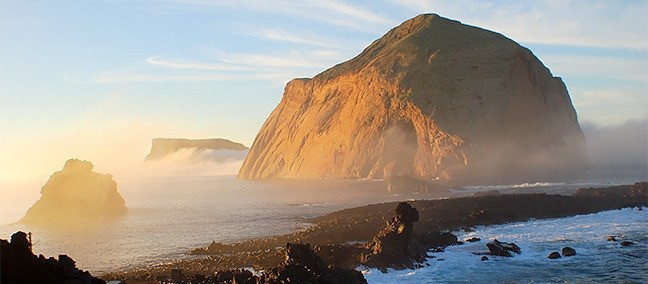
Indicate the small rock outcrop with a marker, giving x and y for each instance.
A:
(301, 265)
(76, 194)
(19, 265)
(554, 255)
(502, 249)
(432, 98)
(392, 246)
(568, 251)
(161, 147)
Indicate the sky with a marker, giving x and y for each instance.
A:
(97, 80)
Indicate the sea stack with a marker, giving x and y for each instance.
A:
(75, 195)
(433, 98)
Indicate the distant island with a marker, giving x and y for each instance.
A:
(76, 194)
(161, 147)
(431, 99)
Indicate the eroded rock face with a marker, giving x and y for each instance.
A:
(431, 98)
(76, 194)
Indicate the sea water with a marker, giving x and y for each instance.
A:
(597, 260)
(167, 217)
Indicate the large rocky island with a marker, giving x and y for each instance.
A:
(433, 98)
(161, 147)
(76, 195)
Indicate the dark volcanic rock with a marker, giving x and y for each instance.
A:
(502, 249)
(473, 239)
(19, 265)
(75, 196)
(639, 189)
(626, 243)
(391, 247)
(554, 255)
(302, 265)
(568, 251)
(483, 258)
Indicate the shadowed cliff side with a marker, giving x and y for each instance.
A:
(431, 98)
(74, 195)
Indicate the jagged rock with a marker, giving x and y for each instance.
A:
(502, 249)
(611, 239)
(554, 255)
(626, 243)
(76, 195)
(431, 98)
(568, 251)
(473, 239)
(19, 265)
(302, 265)
(160, 147)
(392, 246)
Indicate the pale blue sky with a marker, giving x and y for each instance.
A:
(89, 78)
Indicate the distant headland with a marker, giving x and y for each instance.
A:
(161, 147)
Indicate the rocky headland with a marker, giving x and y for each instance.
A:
(396, 235)
(161, 147)
(76, 195)
(432, 98)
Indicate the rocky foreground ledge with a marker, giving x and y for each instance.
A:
(380, 236)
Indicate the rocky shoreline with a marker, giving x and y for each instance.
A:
(381, 237)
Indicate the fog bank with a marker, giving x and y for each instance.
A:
(617, 145)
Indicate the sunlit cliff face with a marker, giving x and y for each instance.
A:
(74, 195)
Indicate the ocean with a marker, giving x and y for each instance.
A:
(169, 216)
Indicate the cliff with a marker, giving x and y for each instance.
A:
(74, 195)
(160, 147)
(433, 98)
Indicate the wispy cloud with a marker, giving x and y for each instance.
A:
(279, 67)
(610, 24)
(335, 12)
(276, 34)
(155, 60)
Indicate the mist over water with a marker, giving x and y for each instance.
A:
(618, 145)
(190, 198)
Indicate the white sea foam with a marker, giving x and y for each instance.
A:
(596, 261)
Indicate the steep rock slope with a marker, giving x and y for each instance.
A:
(433, 98)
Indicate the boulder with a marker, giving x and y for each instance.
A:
(473, 239)
(554, 255)
(626, 243)
(432, 98)
(568, 251)
(502, 249)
